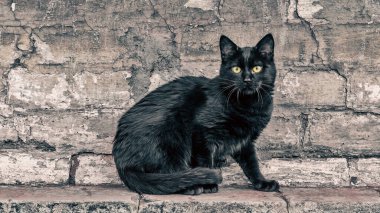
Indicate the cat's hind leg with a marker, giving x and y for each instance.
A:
(210, 188)
(194, 190)
(199, 189)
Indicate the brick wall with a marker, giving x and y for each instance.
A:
(69, 69)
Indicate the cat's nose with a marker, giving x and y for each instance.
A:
(247, 80)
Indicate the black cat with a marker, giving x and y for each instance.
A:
(173, 140)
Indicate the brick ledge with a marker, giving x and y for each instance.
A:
(229, 199)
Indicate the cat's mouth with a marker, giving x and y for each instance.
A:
(248, 90)
(251, 88)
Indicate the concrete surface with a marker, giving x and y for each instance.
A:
(118, 199)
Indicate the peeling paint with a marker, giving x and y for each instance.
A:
(364, 92)
(59, 91)
(155, 81)
(374, 92)
(202, 4)
(27, 88)
(13, 7)
(291, 12)
(5, 110)
(290, 136)
(33, 168)
(44, 50)
(102, 90)
(326, 89)
(305, 9)
(8, 131)
(364, 170)
(291, 82)
(96, 169)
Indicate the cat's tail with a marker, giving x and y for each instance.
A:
(157, 183)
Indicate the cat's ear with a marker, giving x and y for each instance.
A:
(227, 47)
(266, 46)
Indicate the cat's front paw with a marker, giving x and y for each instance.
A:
(266, 185)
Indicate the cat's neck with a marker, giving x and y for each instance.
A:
(234, 99)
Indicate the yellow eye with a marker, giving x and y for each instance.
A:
(236, 69)
(257, 69)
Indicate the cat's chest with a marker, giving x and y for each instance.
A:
(241, 124)
(231, 131)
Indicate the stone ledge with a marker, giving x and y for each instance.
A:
(332, 199)
(67, 199)
(119, 199)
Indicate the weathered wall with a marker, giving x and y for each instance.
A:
(69, 69)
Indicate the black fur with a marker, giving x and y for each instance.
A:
(173, 140)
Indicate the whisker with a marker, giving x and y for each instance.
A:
(267, 85)
(220, 93)
(266, 92)
(229, 95)
(259, 97)
(264, 84)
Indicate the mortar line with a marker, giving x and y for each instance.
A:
(72, 170)
(161, 17)
(305, 154)
(90, 153)
(345, 109)
(217, 11)
(284, 198)
(377, 190)
(349, 172)
(345, 82)
(139, 201)
(74, 163)
(304, 127)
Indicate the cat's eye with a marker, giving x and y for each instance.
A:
(236, 69)
(257, 69)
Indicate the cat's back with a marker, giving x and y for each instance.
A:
(172, 94)
(179, 97)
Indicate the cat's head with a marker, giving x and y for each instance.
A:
(248, 69)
